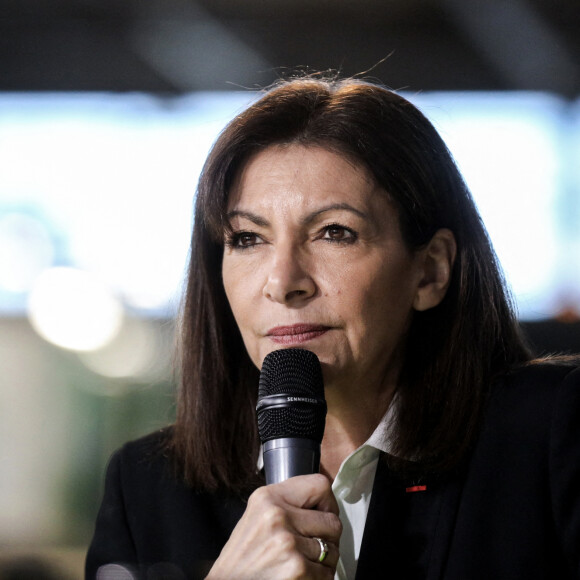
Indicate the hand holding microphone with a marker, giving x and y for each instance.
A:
(290, 528)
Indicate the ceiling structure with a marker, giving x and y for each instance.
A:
(177, 46)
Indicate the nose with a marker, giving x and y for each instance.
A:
(289, 278)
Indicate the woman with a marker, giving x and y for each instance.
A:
(330, 216)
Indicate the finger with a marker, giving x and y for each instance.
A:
(328, 503)
(308, 491)
(310, 550)
(312, 524)
(326, 554)
(314, 571)
(268, 506)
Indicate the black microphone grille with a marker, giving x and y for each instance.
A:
(291, 396)
(291, 371)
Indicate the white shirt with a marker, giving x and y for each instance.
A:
(352, 488)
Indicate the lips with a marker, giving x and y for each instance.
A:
(296, 333)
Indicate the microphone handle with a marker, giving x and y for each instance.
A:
(290, 456)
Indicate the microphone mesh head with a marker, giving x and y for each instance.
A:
(297, 373)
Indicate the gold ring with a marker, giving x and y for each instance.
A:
(323, 549)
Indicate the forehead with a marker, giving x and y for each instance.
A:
(300, 174)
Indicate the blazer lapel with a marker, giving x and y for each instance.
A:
(450, 496)
(408, 527)
(379, 543)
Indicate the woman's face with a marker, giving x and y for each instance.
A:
(315, 260)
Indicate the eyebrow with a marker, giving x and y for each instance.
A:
(333, 207)
(255, 218)
(260, 221)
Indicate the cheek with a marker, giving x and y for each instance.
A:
(385, 298)
(240, 289)
(244, 313)
(233, 281)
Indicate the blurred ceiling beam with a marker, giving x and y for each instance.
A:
(522, 47)
(190, 49)
(176, 46)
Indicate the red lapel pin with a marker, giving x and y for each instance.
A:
(416, 488)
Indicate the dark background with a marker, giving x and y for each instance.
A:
(173, 46)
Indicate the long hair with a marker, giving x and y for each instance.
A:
(453, 351)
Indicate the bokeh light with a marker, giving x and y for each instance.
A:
(74, 309)
(134, 353)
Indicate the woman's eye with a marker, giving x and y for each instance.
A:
(243, 240)
(337, 233)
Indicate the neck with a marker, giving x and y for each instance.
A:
(350, 421)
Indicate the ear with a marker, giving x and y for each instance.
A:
(438, 258)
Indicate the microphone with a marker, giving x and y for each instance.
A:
(291, 413)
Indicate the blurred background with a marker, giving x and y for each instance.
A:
(107, 111)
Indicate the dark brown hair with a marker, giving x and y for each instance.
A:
(454, 350)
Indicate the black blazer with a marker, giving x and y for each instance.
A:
(513, 511)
